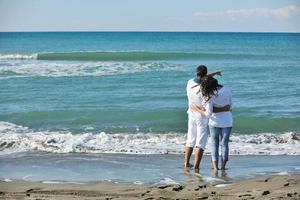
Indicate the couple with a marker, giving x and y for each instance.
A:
(210, 107)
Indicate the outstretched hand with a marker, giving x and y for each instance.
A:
(218, 72)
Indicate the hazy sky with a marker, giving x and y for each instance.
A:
(150, 15)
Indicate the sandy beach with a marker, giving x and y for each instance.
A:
(268, 187)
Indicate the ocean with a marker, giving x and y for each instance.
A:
(124, 92)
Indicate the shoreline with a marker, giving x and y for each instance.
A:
(38, 176)
(266, 187)
(122, 168)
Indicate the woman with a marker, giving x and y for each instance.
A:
(201, 110)
(220, 122)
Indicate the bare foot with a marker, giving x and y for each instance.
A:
(223, 174)
(188, 165)
(215, 172)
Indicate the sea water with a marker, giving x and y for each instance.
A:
(138, 169)
(125, 92)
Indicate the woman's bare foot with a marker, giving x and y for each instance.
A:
(224, 164)
(223, 174)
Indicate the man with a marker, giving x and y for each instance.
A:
(197, 130)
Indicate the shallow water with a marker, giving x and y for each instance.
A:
(138, 169)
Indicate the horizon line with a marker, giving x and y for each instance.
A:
(145, 31)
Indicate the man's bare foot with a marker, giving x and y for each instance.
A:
(188, 165)
(196, 170)
(215, 172)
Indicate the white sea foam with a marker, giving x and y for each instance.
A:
(167, 181)
(52, 182)
(15, 138)
(63, 182)
(138, 182)
(212, 179)
(222, 185)
(266, 144)
(18, 56)
(284, 173)
(27, 177)
(17, 69)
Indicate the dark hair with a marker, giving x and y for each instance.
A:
(201, 71)
(209, 87)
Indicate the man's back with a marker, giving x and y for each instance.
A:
(194, 96)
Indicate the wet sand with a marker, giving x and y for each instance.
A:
(267, 187)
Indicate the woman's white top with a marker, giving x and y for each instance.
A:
(222, 98)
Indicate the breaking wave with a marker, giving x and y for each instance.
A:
(18, 56)
(15, 138)
(15, 69)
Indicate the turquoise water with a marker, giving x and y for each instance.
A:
(134, 82)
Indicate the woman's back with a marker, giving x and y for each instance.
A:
(221, 99)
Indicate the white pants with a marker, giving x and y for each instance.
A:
(197, 133)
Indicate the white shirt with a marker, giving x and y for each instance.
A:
(195, 96)
(221, 99)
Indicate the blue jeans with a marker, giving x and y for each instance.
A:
(219, 134)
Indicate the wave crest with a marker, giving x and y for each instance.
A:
(18, 56)
(126, 56)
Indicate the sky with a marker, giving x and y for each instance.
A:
(150, 15)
